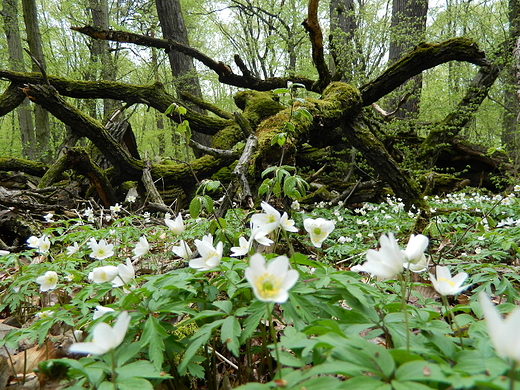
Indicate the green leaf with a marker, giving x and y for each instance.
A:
(172, 107)
(134, 383)
(269, 170)
(195, 207)
(139, 368)
(225, 306)
(208, 203)
(229, 334)
(305, 113)
(366, 383)
(154, 335)
(289, 185)
(407, 385)
(106, 386)
(257, 311)
(420, 370)
(288, 127)
(288, 359)
(281, 91)
(196, 341)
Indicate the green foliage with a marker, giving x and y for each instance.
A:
(283, 183)
(336, 323)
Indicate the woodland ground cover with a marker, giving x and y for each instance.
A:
(186, 302)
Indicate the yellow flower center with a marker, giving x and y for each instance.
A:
(268, 285)
(447, 281)
(317, 231)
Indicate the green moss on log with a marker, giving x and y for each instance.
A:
(257, 106)
(21, 165)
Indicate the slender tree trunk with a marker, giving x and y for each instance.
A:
(100, 52)
(342, 27)
(510, 136)
(159, 118)
(41, 116)
(408, 27)
(183, 70)
(16, 63)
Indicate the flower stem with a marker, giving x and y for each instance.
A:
(404, 308)
(286, 236)
(512, 376)
(454, 326)
(113, 366)
(273, 336)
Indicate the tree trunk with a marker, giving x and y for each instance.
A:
(183, 70)
(41, 116)
(100, 53)
(408, 28)
(16, 63)
(510, 136)
(342, 40)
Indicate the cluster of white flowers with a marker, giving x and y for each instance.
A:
(391, 260)
(41, 244)
(120, 275)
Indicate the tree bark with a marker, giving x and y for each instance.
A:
(100, 53)
(510, 137)
(183, 69)
(312, 26)
(16, 63)
(408, 28)
(41, 116)
(424, 56)
(344, 58)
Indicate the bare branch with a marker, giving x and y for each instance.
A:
(224, 72)
(424, 56)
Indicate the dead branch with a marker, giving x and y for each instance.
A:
(424, 56)
(224, 72)
(312, 26)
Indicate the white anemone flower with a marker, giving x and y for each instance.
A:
(183, 250)
(32, 242)
(142, 247)
(445, 284)
(209, 256)
(103, 274)
(48, 281)
(100, 311)
(243, 247)
(116, 208)
(503, 332)
(420, 266)
(176, 226)
(388, 261)
(414, 252)
(43, 244)
(104, 337)
(287, 224)
(271, 283)
(102, 250)
(72, 249)
(48, 217)
(260, 236)
(318, 229)
(267, 221)
(126, 274)
(4, 253)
